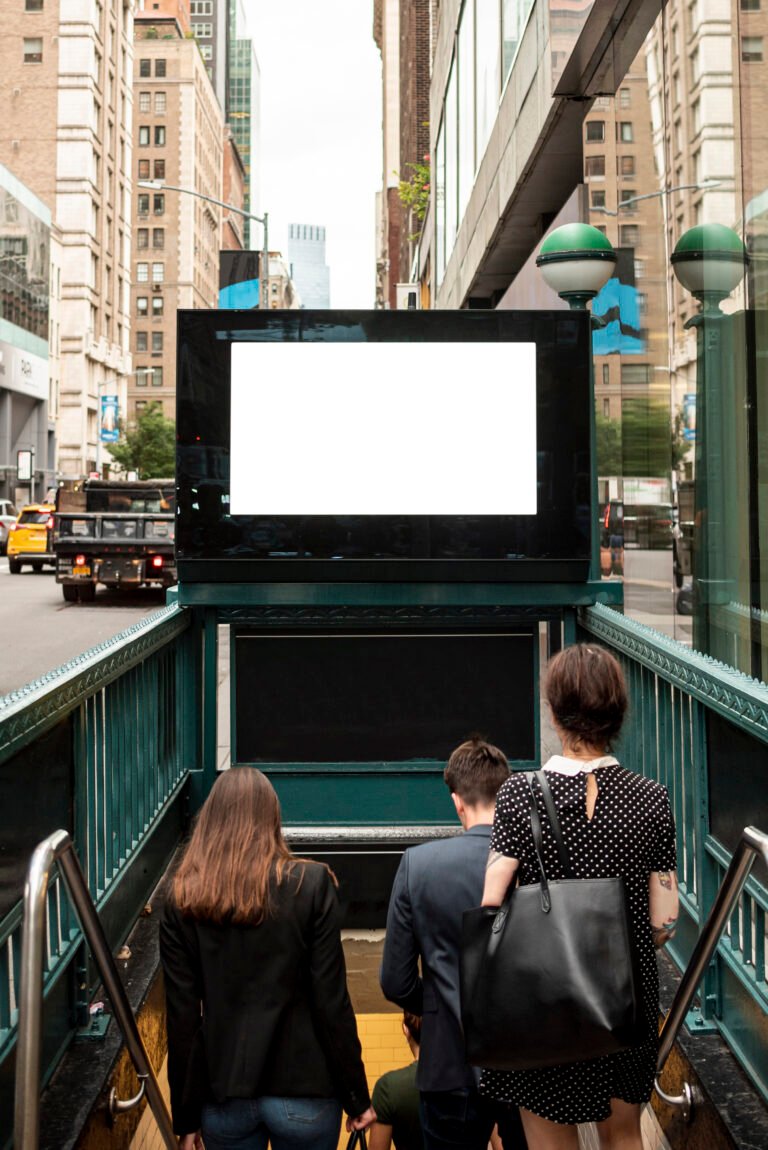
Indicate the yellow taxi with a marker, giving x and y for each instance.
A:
(30, 539)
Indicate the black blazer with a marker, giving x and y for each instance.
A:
(261, 1010)
(435, 883)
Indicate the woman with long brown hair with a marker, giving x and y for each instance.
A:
(262, 1039)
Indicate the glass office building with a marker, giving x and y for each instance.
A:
(658, 130)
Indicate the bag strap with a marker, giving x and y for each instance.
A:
(554, 822)
(538, 845)
(357, 1139)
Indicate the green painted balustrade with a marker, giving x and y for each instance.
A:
(102, 747)
(701, 728)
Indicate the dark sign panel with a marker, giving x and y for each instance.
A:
(383, 446)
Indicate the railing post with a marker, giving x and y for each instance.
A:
(203, 781)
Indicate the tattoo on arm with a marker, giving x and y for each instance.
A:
(665, 878)
(663, 933)
(494, 857)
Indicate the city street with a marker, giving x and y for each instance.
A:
(650, 593)
(40, 631)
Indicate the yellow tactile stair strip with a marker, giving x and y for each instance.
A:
(384, 1048)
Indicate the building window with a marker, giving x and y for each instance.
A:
(145, 101)
(160, 103)
(627, 165)
(597, 199)
(141, 341)
(606, 374)
(751, 49)
(142, 273)
(201, 8)
(145, 67)
(629, 235)
(143, 169)
(160, 135)
(627, 194)
(606, 409)
(142, 237)
(160, 68)
(202, 31)
(157, 341)
(159, 169)
(157, 377)
(626, 133)
(158, 204)
(158, 273)
(33, 50)
(144, 136)
(37, 5)
(595, 131)
(142, 305)
(746, 5)
(206, 51)
(142, 203)
(625, 98)
(594, 166)
(141, 376)
(157, 305)
(158, 237)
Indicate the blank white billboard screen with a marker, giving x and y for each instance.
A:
(321, 428)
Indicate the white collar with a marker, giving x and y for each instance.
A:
(563, 766)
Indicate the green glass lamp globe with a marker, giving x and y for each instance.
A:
(576, 260)
(709, 261)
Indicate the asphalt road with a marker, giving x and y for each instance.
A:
(39, 631)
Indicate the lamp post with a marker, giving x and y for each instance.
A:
(576, 260)
(710, 261)
(160, 186)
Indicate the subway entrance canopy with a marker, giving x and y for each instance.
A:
(392, 510)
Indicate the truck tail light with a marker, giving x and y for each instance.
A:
(157, 561)
(79, 560)
(49, 524)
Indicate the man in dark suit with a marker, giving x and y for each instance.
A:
(435, 883)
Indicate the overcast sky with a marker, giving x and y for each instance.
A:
(321, 149)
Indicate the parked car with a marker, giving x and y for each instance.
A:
(8, 514)
(649, 526)
(30, 539)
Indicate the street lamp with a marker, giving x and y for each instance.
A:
(710, 261)
(576, 260)
(159, 186)
(703, 186)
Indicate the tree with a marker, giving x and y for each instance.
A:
(148, 448)
(608, 443)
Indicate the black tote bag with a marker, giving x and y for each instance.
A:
(551, 976)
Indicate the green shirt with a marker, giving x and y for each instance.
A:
(396, 1102)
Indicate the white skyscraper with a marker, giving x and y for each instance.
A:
(310, 273)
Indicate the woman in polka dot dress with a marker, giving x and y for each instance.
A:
(614, 822)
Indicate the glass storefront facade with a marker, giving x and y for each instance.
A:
(680, 143)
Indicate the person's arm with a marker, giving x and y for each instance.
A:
(399, 974)
(332, 1009)
(663, 905)
(379, 1136)
(499, 873)
(183, 997)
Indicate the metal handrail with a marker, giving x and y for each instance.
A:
(59, 848)
(752, 843)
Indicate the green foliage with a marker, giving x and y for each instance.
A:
(608, 442)
(149, 448)
(414, 192)
(644, 443)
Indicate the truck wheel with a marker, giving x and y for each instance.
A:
(14, 566)
(37, 566)
(86, 592)
(69, 591)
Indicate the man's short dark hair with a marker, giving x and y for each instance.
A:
(475, 771)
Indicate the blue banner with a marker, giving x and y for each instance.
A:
(110, 413)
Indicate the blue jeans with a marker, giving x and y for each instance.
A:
(288, 1123)
(453, 1118)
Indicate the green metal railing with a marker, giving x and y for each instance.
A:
(678, 702)
(105, 744)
